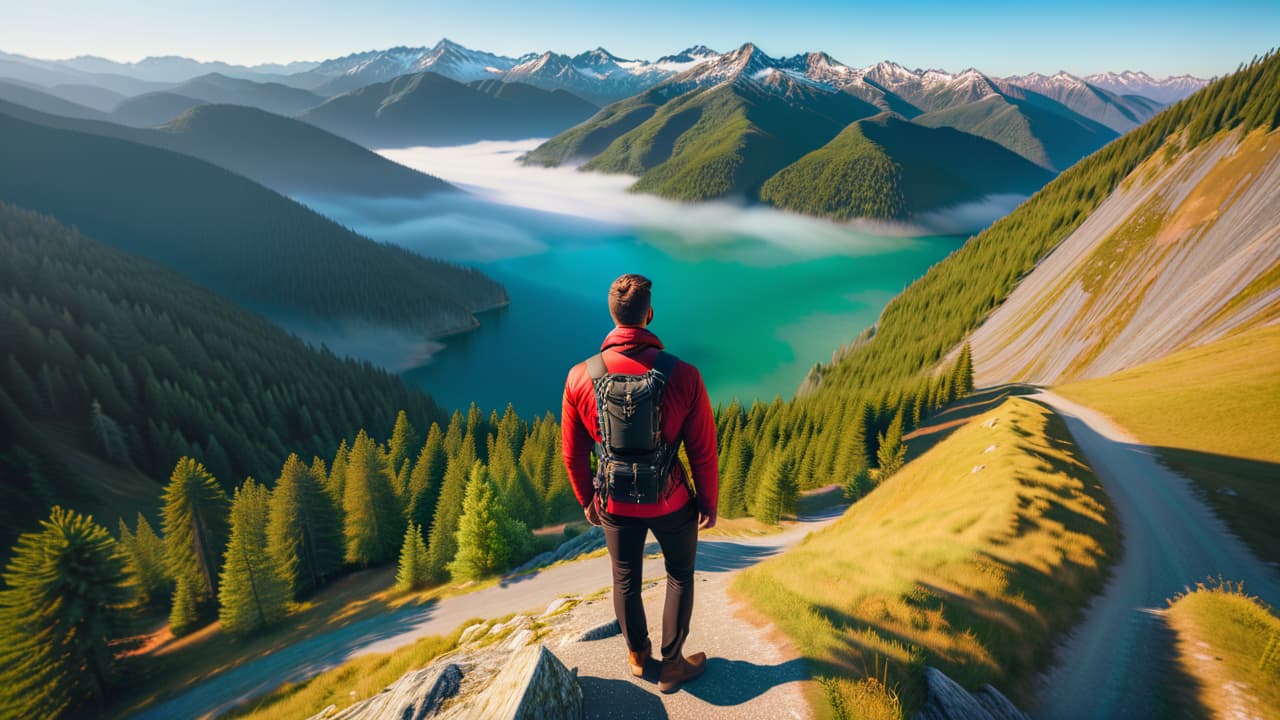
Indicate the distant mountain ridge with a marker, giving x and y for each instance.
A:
(597, 75)
(730, 127)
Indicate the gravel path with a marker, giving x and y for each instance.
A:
(717, 559)
(1110, 666)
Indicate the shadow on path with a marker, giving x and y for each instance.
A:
(605, 698)
(734, 682)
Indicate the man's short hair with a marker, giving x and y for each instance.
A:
(629, 299)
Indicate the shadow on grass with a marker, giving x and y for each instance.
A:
(940, 425)
(1245, 493)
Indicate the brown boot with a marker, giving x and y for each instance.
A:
(637, 658)
(680, 670)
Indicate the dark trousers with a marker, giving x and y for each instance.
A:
(677, 534)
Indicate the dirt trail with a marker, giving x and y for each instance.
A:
(1110, 666)
(718, 558)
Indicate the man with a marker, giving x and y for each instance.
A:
(641, 486)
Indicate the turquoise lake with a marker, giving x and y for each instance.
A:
(752, 296)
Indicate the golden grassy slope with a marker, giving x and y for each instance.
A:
(970, 559)
(1229, 644)
(1214, 412)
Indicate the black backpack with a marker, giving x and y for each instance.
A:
(633, 461)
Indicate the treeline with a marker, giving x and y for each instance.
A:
(230, 234)
(456, 504)
(112, 368)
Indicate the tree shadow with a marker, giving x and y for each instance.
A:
(606, 699)
(940, 425)
(726, 556)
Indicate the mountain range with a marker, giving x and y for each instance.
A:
(596, 75)
(729, 127)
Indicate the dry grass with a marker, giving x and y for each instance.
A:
(1214, 412)
(348, 683)
(970, 558)
(1229, 642)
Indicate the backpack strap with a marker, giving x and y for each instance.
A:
(664, 365)
(595, 367)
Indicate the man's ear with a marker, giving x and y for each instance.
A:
(650, 320)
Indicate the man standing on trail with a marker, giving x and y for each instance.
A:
(633, 405)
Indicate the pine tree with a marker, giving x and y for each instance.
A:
(144, 554)
(253, 593)
(488, 538)
(336, 483)
(403, 440)
(443, 543)
(373, 520)
(66, 598)
(425, 480)
(962, 374)
(892, 453)
(412, 571)
(304, 534)
(195, 532)
(733, 483)
(776, 491)
(858, 485)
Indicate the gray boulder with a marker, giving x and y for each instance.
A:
(534, 685)
(418, 694)
(946, 700)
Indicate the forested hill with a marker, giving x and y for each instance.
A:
(935, 313)
(232, 235)
(288, 156)
(112, 368)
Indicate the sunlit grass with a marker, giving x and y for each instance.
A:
(1229, 642)
(969, 559)
(1214, 412)
(348, 683)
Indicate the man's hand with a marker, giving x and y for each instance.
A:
(592, 511)
(706, 522)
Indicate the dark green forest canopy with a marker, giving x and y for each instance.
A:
(175, 370)
(229, 234)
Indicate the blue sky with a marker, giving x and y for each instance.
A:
(997, 37)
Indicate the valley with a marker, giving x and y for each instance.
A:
(990, 357)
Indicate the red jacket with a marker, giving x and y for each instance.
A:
(686, 413)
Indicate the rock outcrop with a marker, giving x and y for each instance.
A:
(416, 695)
(946, 700)
(589, 541)
(534, 685)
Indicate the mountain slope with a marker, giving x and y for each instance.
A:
(45, 102)
(1118, 112)
(1185, 251)
(725, 141)
(232, 235)
(1046, 136)
(887, 168)
(935, 314)
(286, 155)
(270, 96)
(430, 109)
(151, 109)
(174, 369)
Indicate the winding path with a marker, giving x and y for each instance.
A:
(717, 558)
(1110, 666)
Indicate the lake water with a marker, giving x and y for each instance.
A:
(752, 296)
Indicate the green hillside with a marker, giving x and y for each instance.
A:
(595, 134)
(887, 168)
(932, 316)
(152, 109)
(725, 141)
(430, 109)
(173, 369)
(1044, 136)
(13, 92)
(232, 235)
(969, 568)
(288, 156)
